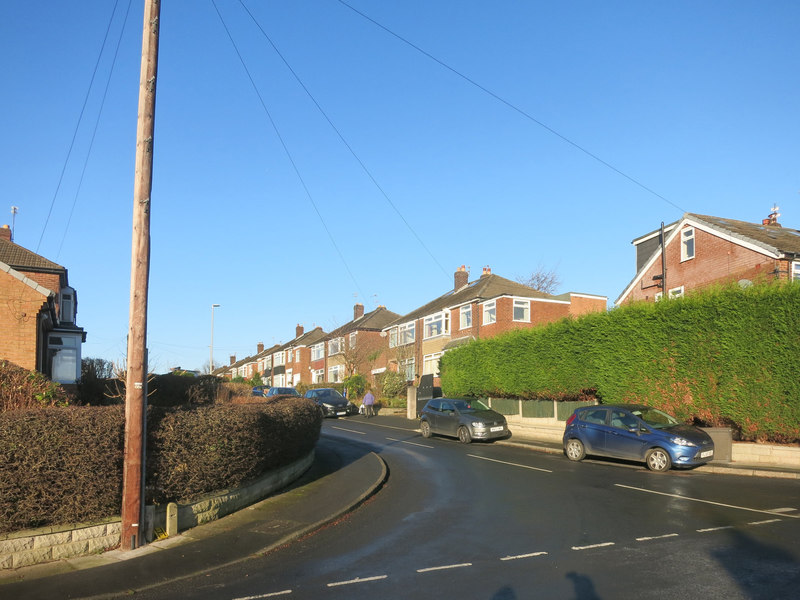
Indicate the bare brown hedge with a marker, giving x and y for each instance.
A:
(64, 465)
(20, 388)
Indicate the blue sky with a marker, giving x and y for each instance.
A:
(694, 101)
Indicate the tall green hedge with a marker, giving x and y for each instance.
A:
(725, 356)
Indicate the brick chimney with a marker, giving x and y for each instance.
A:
(358, 311)
(259, 347)
(487, 270)
(298, 331)
(460, 278)
(772, 219)
(5, 233)
(233, 358)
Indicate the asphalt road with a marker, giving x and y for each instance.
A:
(487, 521)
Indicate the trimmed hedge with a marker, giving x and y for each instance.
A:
(723, 357)
(64, 465)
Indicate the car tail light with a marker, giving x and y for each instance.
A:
(571, 419)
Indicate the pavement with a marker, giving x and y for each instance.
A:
(342, 477)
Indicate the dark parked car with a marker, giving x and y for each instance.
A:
(636, 432)
(465, 419)
(282, 391)
(332, 403)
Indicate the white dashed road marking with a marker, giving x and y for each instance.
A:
(518, 556)
(689, 498)
(656, 537)
(349, 430)
(411, 443)
(510, 463)
(603, 545)
(707, 529)
(358, 580)
(444, 567)
(764, 522)
(270, 595)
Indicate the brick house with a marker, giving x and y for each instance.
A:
(355, 347)
(486, 307)
(37, 314)
(699, 250)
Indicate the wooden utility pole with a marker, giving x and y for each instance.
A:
(136, 380)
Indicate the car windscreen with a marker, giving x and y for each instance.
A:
(469, 405)
(655, 418)
(329, 395)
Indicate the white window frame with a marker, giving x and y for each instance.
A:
(393, 337)
(335, 346)
(436, 325)
(278, 359)
(407, 333)
(688, 244)
(430, 364)
(465, 320)
(408, 366)
(352, 341)
(268, 363)
(489, 312)
(796, 271)
(335, 373)
(318, 376)
(318, 351)
(525, 305)
(676, 292)
(297, 355)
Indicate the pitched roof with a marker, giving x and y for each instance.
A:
(371, 321)
(487, 287)
(22, 259)
(772, 240)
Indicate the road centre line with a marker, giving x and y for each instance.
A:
(444, 567)
(707, 529)
(764, 522)
(510, 463)
(783, 510)
(656, 537)
(349, 430)
(766, 512)
(602, 545)
(358, 580)
(270, 595)
(407, 442)
(518, 556)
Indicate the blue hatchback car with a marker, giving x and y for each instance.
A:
(636, 432)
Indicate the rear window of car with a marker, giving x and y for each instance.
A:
(597, 416)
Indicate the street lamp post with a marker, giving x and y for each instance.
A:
(211, 351)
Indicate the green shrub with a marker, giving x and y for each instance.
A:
(356, 386)
(722, 357)
(23, 389)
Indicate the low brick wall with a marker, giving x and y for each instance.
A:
(47, 544)
(766, 454)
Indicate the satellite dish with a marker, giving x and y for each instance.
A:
(745, 283)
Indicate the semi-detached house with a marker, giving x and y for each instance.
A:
(700, 250)
(483, 308)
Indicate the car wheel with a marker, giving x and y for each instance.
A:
(657, 459)
(463, 435)
(575, 450)
(425, 429)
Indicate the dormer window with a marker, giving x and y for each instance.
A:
(67, 305)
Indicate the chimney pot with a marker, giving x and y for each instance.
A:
(460, 278)
(5, 233)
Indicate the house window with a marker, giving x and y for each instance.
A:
(796, 271)
(64, 355)
(676, 292)
(407, 333)
(466, 317)
(490, 312)
(436, 325)
(687, 243)
(522, 310)
(335, 346)
(430, 364)
(318, 376)
(280, 380)
(67, 306)
(407, 368)
(297, 356)
(318, 351)
(278, 358)
(393, 337)
(353, 340)
(335, 373)
(268, 363)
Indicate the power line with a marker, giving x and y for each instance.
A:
(512, 106)
(342, 138)
(77, 126)
(286, 149)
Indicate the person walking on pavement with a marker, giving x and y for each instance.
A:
(369, 404)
